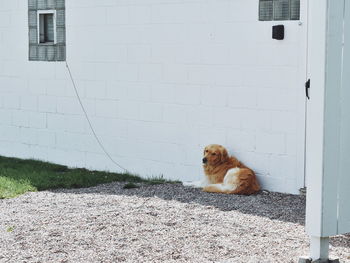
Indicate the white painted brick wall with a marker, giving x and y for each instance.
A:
(160, 79)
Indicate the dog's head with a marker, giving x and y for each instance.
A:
(214, 154)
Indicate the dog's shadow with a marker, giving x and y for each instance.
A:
(283, 207)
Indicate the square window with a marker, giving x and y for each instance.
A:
(270, 10)
(46, 27)
(266, 10)
(281, 10)
(47, 30)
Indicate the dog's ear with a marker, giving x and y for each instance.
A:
(224, 154)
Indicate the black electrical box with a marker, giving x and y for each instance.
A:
(278, 32)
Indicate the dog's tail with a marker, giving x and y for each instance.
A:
(219, 188)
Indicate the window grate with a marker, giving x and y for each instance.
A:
(266, 10)
(60, 18)
(294, 9)
(61, 36)
(33, 38)
(47, 31)
(32, 19)
(281, 10)
(270, 10)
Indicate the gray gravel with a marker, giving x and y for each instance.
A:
(160, 223)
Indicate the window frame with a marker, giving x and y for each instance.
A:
(47, 12)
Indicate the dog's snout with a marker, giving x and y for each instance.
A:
(205, 160)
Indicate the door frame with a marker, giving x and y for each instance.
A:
(301, 96)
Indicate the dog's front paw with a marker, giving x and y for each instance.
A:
(194, 184)
(206, 189)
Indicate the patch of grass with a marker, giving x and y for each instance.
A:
(10, 229)
(159, 180)
(19, 176)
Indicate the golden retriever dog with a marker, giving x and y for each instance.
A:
(225, 174)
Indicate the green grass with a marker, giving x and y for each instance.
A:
(10, 229)
(19, 176)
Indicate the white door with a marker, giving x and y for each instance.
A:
(288, 60)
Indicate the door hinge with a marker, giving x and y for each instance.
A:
(307, 87)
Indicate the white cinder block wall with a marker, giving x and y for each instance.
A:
(160, 79)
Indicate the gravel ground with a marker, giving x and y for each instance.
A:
(159, 223)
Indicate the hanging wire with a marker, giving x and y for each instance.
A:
(89, 122)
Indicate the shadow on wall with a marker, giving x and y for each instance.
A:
(277, 206)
